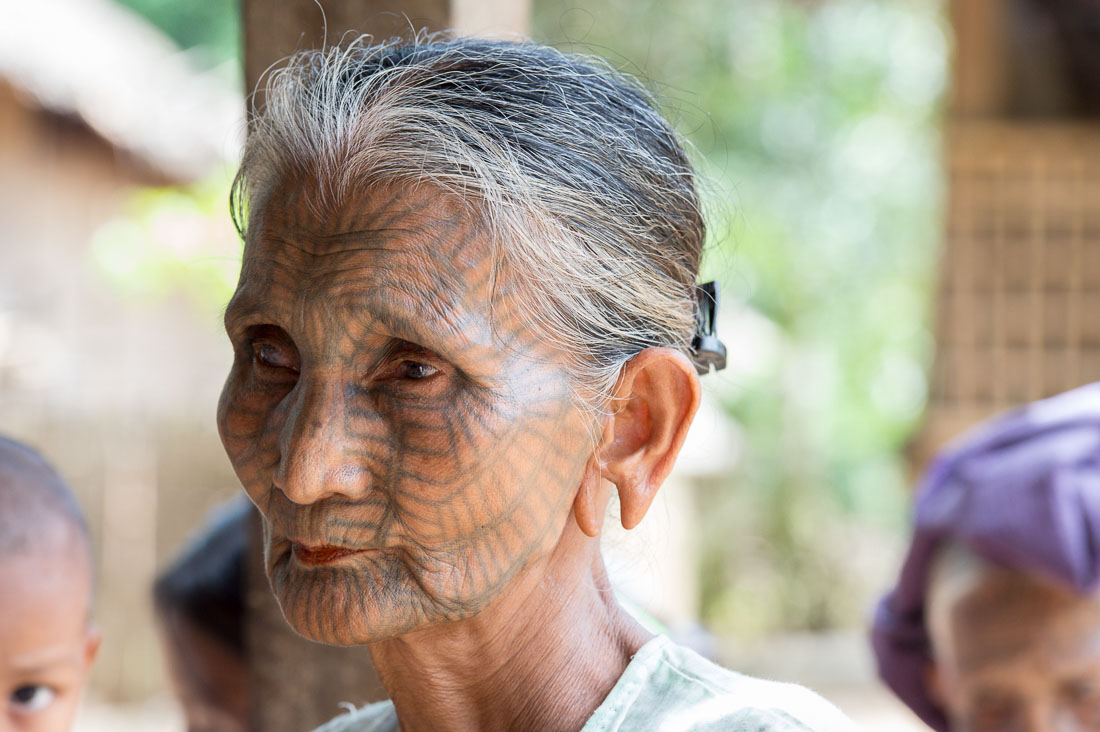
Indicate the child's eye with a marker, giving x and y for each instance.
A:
(32, 697)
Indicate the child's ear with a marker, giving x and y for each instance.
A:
(92, 640)
(651, 410)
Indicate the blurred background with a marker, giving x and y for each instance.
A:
(903, 222)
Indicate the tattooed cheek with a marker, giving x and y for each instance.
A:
(243, 423)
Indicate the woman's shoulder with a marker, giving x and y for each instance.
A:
(377, 717)
(667, 686)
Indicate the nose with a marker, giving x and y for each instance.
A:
(316, 447)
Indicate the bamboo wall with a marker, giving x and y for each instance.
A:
(1018, 306)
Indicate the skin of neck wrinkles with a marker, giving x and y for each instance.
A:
(429, 486)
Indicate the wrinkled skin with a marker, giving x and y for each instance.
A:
(410, 443)
(1018, 654)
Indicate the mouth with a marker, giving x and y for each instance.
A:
(316, 556)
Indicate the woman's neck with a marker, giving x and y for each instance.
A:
(542, 656)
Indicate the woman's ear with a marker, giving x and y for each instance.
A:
(651, 410)
(590, 505)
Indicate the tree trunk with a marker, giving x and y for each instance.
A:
(274, 29)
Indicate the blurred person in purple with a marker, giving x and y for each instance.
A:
(994, 623)
(47, 638)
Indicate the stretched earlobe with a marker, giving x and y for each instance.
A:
(637, 506)
(653, 406)
(590, 505)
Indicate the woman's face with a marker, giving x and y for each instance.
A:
(411, 444)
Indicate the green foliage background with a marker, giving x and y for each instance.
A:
(210, 30)
(816, 124)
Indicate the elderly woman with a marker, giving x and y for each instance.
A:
(465, 318)
(994, 624)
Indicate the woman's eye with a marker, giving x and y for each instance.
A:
(1084, 690)
(33, 697)
(993, 716)
(1085, 698)
(415, 370)
(271, 356)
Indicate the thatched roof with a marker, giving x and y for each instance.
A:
(126, 81)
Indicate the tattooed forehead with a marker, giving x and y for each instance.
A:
(416, 263)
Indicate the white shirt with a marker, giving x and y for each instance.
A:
(669, 688)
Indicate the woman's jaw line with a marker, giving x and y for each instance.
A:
(529, 635)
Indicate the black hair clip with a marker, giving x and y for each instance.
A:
(709, 352)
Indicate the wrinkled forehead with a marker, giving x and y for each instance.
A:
(416, 258)
(419, 231)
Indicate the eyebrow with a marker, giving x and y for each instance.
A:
(42, 660)
(427, 329)
(399, 320)
(240, 307)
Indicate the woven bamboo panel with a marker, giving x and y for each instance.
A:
(1018, 314)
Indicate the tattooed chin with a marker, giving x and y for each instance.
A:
(353, 598)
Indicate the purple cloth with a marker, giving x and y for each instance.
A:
(1021, 490)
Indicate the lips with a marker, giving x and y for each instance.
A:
(320, 555)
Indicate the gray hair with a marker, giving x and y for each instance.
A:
(587, 191)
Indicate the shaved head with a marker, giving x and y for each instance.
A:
(48, 640)
(37, 510)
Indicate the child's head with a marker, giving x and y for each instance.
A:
(995, 620)
(47, 639)
(200, 610)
